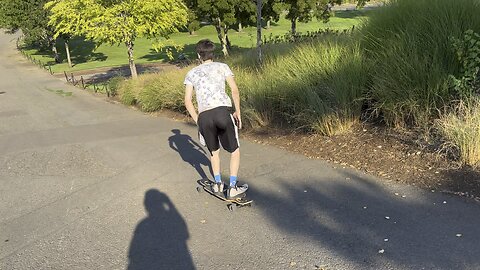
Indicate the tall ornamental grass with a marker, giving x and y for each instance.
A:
(315, 86)
(461, 127)
(409, 46)
(153, 92)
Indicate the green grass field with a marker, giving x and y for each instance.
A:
(86, 55)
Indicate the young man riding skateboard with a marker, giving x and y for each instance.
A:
(215, 121)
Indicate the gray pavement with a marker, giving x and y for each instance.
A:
(88, 184)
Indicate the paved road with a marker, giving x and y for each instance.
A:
(87, 184)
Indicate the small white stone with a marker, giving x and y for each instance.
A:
(444, 202)
(387, 217)
(396, 194)
(379, 146)
(459, 235)
(305, 191)
(403, 196)
(381, 251)
(364, 207)
(385, 240)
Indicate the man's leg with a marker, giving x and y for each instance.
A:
(234, 165)
(215, 160)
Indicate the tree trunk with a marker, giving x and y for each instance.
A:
(268, 24)
(259, 31)
(53, 45)
(221, 37)
(131, 62)
(294, 26)
(240, 28)
(67, 49)
(227, 40)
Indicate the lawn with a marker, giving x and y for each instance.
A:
(87, 55)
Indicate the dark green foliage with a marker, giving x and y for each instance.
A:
(28, 16)
(468, 54)
(306, 10)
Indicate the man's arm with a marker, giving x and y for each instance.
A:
(236, 100)
(188, 102)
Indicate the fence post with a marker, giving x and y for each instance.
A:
(83, 82)
(66, 76)
(73, 79)
(50, 69)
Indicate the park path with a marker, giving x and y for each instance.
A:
(88, 184)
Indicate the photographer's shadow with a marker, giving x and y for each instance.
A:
(190, 152)
(160, 239)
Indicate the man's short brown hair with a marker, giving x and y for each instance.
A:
(205, 49)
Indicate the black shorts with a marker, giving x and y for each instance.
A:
(218, 126)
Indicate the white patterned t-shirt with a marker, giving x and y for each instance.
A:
(208, 80)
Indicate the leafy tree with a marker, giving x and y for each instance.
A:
(221, 13)
(271, 11)
(306, 10)
(29, 17)
(118, 21)
(224, 15)
(193, 23)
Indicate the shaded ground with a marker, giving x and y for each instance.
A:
(99, 75)
(400, 156)
(404, 156)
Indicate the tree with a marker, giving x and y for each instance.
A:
(118, 22)
(29, 17)
(306, 10)
(259, 31)
(193, 23)
(271, 11)
(220, 13)
(224, 15)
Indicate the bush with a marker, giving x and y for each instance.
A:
(408, 43)
(114, 84)
(152, 92)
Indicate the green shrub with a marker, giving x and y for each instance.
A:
(408, 44)
(114, 84)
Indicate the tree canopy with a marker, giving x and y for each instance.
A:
(118, 21)
(29, 17)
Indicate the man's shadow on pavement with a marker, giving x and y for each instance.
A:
(190, 151)
(160, 239)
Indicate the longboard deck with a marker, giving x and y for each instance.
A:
(206, 185)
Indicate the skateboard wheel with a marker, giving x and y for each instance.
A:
(232, 207)
(199, 189)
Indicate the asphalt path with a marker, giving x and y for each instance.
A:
(89, 184)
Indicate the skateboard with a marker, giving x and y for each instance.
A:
(233, 204)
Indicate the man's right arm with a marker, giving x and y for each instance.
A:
(188, 102)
